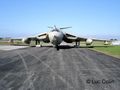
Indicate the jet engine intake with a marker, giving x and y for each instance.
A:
(26, 40)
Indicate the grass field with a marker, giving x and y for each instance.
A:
(106, 49)
(109, 50)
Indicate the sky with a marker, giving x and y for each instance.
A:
(90, 18)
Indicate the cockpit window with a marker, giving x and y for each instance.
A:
(55, 30)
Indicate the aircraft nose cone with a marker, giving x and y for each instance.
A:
(55, 37)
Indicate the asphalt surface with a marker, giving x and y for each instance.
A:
(67, 69)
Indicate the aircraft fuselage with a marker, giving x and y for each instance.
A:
(56, 37)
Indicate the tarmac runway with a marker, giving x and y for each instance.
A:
(46, 68)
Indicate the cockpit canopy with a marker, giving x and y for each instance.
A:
(55, 30)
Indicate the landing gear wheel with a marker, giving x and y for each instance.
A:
(40, 45)
(57, 47)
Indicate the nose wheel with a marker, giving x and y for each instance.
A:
(57, 47)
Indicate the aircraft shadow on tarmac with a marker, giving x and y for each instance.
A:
(60, 47)
(65, 47)
(69, 47)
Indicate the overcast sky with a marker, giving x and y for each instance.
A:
(20, 18)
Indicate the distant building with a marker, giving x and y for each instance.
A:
(115, 43)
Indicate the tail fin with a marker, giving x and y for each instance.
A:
(54, 27)
(65, 27)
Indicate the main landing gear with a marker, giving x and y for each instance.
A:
(77, 44)
(38, 43)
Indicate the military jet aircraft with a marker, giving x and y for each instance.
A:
(56, 36)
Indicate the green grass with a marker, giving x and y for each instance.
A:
(107, 49)
(110, 50)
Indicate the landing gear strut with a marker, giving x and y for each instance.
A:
(37, 43)
(40, 44)
(77, 44)
(57, 47)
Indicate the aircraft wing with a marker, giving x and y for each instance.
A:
(69, 38)
(69, 35)
(38, 37)
(75, 39)
(100, 40)
(72, 38)
(41, 37)
(43, 34)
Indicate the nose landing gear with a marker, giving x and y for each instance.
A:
(57, 47)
